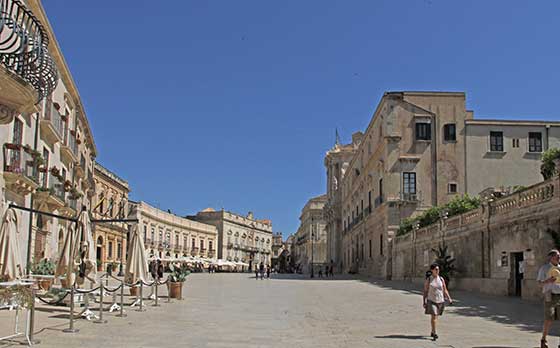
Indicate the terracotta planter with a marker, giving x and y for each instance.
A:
(134, 291)
(45, 284)
(175, 290)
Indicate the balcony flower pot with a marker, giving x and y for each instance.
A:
(45, 267)
(176, 290)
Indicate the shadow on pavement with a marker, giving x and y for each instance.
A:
(512, 311)
(407, 337)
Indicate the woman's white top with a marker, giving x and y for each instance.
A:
(435, 290)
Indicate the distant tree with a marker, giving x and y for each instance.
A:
(445, 262)
(548, 168)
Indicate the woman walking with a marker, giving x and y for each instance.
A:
(435, 292)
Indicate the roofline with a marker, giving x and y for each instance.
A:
(103, 170)
(512, 122)
(427, 93)
(54, 48)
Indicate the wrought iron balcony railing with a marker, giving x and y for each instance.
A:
(23, 47)
(56, 187)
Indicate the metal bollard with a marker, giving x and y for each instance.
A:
(168, 291)
(122, 313)
(71, 328)
(155, 283)
(32, 321)
(141, 308)
(100, 320)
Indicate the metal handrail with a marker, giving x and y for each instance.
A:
(23, 47)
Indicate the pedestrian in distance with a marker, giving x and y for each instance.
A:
(435, 293)
(327, 271)
(256, 272)
(261, 270)
(267, 271)
(331, 268)
(549, 278)
(320, 272)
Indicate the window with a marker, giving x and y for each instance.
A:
(497, 141)
(18, 131)
(409, 182)
(201, 244)
(110, 250)
(176, 240)
(535, 142)
(381, 188)
(381, 244)
(193, 243)
(515, 142)
(153, 234)
(210, 245)
(449, 132)
(112, 206)
(452, 188)
(369, 200)
(370, 249)
(145, 233)
(101, 201)
(423, 131)
(119, 250)
(185, 241)
(46, 165)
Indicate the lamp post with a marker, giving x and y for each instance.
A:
(312, 237)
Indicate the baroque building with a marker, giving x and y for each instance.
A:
(311, 236)
(421, 149)
(240, 238)
(169, 236)
(47, 144)
(111, 202)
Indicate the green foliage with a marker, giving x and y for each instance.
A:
(43, 267)
(548, 169)
(457, 206)
(445, 262)
(178, 274)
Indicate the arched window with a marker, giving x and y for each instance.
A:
(60, 240)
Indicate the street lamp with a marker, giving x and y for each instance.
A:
(312, 237)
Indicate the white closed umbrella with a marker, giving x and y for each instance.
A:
(137, 261)
(11, 266)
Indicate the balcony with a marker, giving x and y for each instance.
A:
(28, 73)
(70, 209)
(69, 149)
(410, 197)
(52, 196)
(20, 169)
(80, 167)
(52, 124)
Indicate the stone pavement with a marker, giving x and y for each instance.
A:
(235, 310)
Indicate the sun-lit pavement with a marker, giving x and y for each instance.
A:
(235, 310)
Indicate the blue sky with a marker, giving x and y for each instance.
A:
(234, 103)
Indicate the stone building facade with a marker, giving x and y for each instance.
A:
(240, 238)
(169, 236)
(421, 149)
(47, 144)
(110, 202)
(276, 249)
(311, 237)
(337, 160)
(498, 248)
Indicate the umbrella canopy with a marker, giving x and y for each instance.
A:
(10, 259)
(137, 261)
(78, 252)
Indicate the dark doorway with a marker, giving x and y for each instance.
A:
(517, 270)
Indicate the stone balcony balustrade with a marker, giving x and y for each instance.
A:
(52, 123)
(28, 73)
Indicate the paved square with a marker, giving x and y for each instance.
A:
(235, 310)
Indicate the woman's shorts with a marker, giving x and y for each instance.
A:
(552, 308)
(433, 308)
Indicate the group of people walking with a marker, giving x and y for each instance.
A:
(262, 270)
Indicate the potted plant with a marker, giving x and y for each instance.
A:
(177, 276)
(44, 267)
(99, 265)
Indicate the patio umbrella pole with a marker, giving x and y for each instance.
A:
(71, 328)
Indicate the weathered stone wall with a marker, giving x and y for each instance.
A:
(486, 241)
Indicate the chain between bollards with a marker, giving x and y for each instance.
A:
(71, 328)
